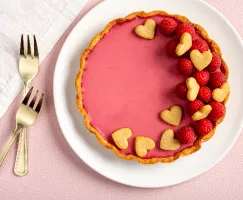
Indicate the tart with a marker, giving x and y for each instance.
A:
(152, 87)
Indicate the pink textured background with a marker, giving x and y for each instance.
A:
(57, 173)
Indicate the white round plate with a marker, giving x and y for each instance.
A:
(104, 161)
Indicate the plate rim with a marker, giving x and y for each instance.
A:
(104, 174)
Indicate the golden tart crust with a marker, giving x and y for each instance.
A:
(197, 145)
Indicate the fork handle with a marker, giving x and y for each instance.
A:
(8, 145)
(21, 162)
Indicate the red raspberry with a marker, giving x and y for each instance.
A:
(215, 63)
(168, 26)
(171, 47)
(182, 28)
(194, 106)
(217, 112)
(217, 79)
(181, 90)
(185, 67)
(200, 45)
(202, 77)
(186, 135)
(205, 94)
(203, 127)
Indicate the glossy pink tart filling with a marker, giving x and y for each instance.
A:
(127, 82)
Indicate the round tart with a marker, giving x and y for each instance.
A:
(152, 87)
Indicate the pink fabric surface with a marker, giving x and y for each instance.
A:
(57, 173)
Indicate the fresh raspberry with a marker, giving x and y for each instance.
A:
(200, 45)
(203, 127)
(217, 79)
(217, 112)
(181, 90)
(202, 77)
(185, 67)
(168, 26)
(205, 94)
(194, 106)
(186, 135)
(182, 28)
(171, 47)
(215, 63)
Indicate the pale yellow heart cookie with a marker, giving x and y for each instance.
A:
(201, 60)
(147, 30)
(219, 94)
(193, 88)
(172, 116)
(168, 142)
(142, 145)
(185, 44)
(121, 136)
(202, 113)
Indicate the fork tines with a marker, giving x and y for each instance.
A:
(34, 100)
(36, 53)
(22, 45)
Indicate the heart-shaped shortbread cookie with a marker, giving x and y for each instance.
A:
(121, 136)
(201, 60)
(193, 88)
(142, 145)
(172, 116)
(147, 30)
(185, 44)
(202, 113)
(168, 142)
(219, 94)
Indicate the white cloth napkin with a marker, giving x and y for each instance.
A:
(47, 19)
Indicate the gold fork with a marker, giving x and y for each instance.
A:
(28, 69)
(25, 117)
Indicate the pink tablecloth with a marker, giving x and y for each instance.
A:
(57, 173)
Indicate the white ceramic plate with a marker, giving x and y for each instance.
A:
(105, 161)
